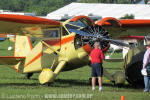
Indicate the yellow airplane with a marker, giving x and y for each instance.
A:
(63, 45)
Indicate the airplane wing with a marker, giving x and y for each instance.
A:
(10, 60)
(116, 28)
(25, 25)
(125, 27)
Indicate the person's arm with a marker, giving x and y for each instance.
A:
(102, 55)
(146, 58)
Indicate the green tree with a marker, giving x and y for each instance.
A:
(128, 16)
(40, 7)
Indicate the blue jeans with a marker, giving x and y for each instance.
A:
(147, 83)
(147, 79)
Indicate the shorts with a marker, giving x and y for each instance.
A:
(97, 70)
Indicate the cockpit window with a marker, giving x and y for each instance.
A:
(51, 33)
(74, 26)
(69, 26)
(64, 32)
(78, 23)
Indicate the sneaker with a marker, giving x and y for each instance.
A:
(100, 88)
(93, 88)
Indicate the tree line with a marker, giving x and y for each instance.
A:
(39, 7)
(42, 7)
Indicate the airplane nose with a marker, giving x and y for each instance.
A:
(133, 65)
(89, 35)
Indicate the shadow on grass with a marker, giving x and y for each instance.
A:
(18, 78)
(66, 83)
(56, 83)
(72, 82)
(127, 86)
(18, 84)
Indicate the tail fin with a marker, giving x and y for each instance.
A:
(22, 46)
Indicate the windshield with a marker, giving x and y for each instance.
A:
(74, 26)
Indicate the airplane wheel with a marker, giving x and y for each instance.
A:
(133, 74)
(29, 75)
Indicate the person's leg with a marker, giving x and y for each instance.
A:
(100, 73)
(93, 83)
(93, 74)
(149, 83)
(146, 79)
(100, 81)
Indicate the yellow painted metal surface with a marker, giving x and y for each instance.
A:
(33, 59)
(46, 76)
(22, 46)
(24, 29)
(132, 57)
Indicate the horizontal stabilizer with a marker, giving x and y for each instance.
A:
(10, 60)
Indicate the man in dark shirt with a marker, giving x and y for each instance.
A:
(97, 69)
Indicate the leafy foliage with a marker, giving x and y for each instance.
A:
(127, 16)
(40, 7)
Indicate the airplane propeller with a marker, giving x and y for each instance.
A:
(90, 32)
(98, 36)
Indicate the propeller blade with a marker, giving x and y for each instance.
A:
(99, 37)
(117, 42)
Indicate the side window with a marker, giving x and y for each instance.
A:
(51, 33)
(64, 32)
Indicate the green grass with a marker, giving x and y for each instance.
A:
(15, 86)
(4, 48)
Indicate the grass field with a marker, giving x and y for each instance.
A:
(70, 85)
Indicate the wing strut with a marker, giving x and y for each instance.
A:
(51, 48)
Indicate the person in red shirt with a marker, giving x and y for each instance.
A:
(97, 57)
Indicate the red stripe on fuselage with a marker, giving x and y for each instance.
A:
(30, 44)
(34, 59)
(57, 42)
